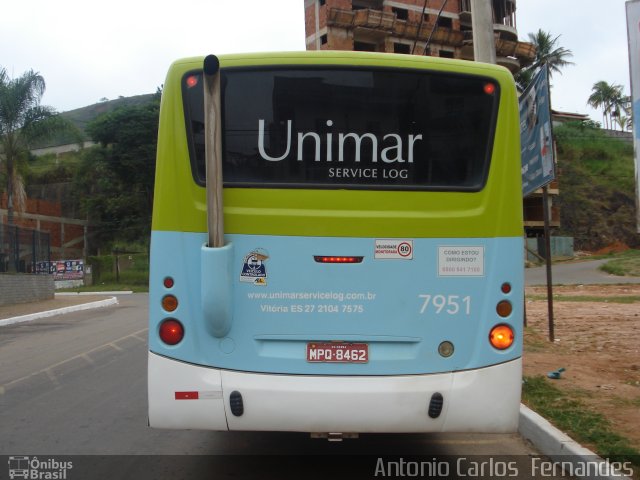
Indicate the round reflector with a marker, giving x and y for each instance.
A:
(504, 308)
(171, 331)
(445, 349)
(505, 287)
(169, 303)
(501, 337)
(168, 282)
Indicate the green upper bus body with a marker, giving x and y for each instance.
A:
(494, 210)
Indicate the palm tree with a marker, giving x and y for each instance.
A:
(547, 53)
(609, 97)
(623, 122)
(22, 121)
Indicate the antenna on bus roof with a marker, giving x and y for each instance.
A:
(213, 150)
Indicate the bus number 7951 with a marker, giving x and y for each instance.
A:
(450, 304)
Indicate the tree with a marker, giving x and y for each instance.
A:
(547, 53)
(22, 121)
(609, 97)
(116, 178)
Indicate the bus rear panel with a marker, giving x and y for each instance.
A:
(371, 278)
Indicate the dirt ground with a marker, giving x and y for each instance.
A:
(597, 342)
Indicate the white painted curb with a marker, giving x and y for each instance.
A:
(59, 311)
(559, 447)
(115, 292)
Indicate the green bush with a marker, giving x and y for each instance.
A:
(132, 272)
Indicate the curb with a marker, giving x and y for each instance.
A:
(59, 311)
(561, 448)
(115, 292)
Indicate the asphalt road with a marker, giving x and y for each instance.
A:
(575, 273)
(73, 388)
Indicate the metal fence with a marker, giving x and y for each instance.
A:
(22, 248)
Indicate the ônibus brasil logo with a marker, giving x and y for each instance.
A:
(38, 469)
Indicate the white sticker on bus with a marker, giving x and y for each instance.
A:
(254, 269)
(394, 250)
(460, 261)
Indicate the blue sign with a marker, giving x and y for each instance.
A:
(536, 141)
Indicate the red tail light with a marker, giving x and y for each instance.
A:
(334, 259)
(489, 88)
(192, 81)
(171, 331)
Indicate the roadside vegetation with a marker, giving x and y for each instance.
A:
(596, 177)
(571, 415)
(624, 263)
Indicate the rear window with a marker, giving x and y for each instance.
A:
(348, 128)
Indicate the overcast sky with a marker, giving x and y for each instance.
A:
(89, 50)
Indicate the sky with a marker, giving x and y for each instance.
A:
(87, 51)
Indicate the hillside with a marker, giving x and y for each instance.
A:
(597, 191)
(81, 117)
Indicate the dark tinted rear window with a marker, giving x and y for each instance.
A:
(348, 128)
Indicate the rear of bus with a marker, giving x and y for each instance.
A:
(371, 278)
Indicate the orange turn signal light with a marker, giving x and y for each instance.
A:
(504, 308)
(501, 337)
(169, 303)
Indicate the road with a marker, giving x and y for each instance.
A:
(75, 384)
(575, 273)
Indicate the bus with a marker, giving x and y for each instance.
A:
(370, 277)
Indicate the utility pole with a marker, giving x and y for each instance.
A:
(484, 47)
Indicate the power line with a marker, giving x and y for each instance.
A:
(435, 26)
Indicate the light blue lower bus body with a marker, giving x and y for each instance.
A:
(251, 309)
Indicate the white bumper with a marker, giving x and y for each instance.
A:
(184, 396)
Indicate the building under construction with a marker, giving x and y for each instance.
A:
(440, 28)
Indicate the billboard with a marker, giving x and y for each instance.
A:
(62, 269)
(633, 33)
(536, 141)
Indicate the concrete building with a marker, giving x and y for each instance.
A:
(440, 28)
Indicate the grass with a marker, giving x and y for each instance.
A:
(534, 341)
(108, 287)
(569, 414)
(624, 263)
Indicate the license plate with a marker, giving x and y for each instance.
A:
(338, 352)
